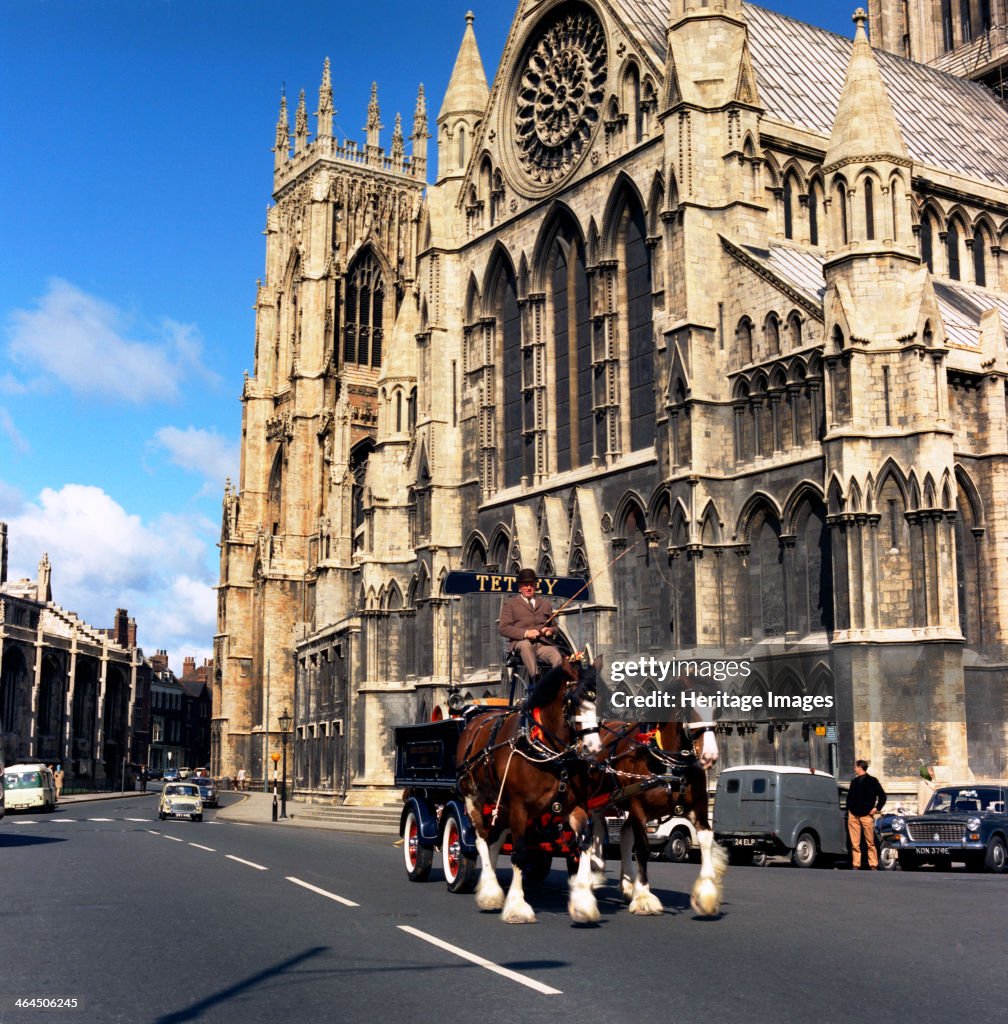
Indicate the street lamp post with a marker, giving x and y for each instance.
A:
(285, 721)
(276, 757)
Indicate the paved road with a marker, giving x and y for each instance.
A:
(144, 921)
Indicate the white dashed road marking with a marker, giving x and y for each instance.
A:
(546, 990)
(207, 848)
(258, 867)
(323, 892)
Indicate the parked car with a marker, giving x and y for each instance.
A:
(670, 838)
(207, 788)
(771, 809)
(966, 823)
(180, 800)
(171, 775)
(29, 785)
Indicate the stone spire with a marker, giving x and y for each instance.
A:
(420, 134)
(464, 106)
(867, 168)
(301, 125)
(398, 146)
(865, 124)
(374, 125)
(281, 148)
(324, 114)
(467, 91)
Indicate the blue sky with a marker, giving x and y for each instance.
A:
(136, 176)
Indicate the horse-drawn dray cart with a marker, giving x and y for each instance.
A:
(524, 778)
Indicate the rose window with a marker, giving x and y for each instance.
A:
(559, 93)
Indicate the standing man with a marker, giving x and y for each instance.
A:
(525, 621)
(58, 780)
(865, 799)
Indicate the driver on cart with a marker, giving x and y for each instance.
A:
(525, 620)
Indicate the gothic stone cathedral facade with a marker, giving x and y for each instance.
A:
(698, 285)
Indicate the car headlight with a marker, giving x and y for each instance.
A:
(972, 824)
(897, 824)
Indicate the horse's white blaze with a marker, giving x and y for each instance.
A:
(516, 910)
(706, 895)
(489, 894)
(586, 718)
(709, 750)
(581, 905)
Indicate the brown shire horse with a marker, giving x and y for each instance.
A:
(649, 780)
(513, 784)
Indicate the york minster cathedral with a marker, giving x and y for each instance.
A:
(692, 300)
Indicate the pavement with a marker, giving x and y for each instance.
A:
(256, 808)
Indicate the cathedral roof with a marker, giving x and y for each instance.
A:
(960, 305)
(467, 90)
(801, 71)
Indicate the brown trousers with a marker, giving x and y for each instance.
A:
(855, 827)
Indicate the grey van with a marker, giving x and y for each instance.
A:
(769, 809)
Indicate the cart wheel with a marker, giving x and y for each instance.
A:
(418, 858)
(459, 867)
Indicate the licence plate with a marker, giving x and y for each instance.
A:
(933, 851)
(739, 841)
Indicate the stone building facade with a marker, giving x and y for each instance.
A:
(70, 693)
(706, 305)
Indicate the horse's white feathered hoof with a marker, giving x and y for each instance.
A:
(646, 904)
(582, 908)
(626, 889)
(489, 896)
(706, 897)
(518, 912)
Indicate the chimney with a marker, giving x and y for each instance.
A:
(131, 633)
(188, 667)
(159, 661)
(120, 631)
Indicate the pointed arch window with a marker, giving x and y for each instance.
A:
(517, 449)
(841, 201)
(979, 259)
(571, 351)
(364, 312)
(640, 332)
(813, 213)
(869, 209)
(952, 251)
(788, 208)
(766, 577)
(927, 243)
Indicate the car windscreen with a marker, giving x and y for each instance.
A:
(181, 791)
(22, 780)
(967, 800)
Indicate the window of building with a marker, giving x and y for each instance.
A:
(364, 312)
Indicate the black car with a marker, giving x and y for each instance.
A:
(961, 823)
(208, 791)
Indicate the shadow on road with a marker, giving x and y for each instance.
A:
(197, 1009)
(10, 842)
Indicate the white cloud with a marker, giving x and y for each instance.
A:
(200, 451)
(81, 342)
(16, 438)
(104, 558)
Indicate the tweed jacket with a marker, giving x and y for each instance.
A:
(516, 617)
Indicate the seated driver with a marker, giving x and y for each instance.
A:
(525, 620)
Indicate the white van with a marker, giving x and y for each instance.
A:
(27, 786)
